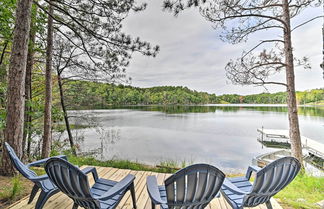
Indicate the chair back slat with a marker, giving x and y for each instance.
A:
(21, 167)
(271, 179)
(71, 181)
(201, 187)
(193, 187)
(180, 188)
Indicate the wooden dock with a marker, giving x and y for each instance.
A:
(61, 201)
(282, 136)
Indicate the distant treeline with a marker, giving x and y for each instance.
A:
(84, 94)
(303, 97)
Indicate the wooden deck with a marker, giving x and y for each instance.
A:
(61, 201)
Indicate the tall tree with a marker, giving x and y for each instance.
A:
(93, 28)
(64, 57)
(241, 18)
(47, 137)
(16, 84)
(28, 84)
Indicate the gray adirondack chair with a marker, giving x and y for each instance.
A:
(40, 182)
(239, 192)
(191, 187)
(74, 183)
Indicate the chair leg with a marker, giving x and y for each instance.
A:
(268, 204)
(75, 206)
(132, 190)
(33, 193)
(43, 197)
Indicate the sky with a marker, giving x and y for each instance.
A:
(193, 55)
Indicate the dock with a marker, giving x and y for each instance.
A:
(62, 201)
(282, 136)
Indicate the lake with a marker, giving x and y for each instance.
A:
(222, 135)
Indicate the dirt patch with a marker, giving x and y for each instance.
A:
(8, 195)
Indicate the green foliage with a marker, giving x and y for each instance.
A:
(7, 18)
(303, 192)
(13, 191)
(314, 96)
(83, 94)
(94, 95)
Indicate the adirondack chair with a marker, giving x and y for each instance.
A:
(239, 192)
(40, 182)
(104, 194)
(191, 187)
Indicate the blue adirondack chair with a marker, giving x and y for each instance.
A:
(191, 187)
(40, 182)
(74, 182)
(239, 192)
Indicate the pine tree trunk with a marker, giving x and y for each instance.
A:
(294, 133)
(47, 138)
(28, 90)
(66, 119)
(16, 84)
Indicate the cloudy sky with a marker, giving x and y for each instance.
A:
(192, 54)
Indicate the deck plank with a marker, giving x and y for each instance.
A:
(60, 200)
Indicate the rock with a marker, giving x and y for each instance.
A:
(321, 204)
(301, 200)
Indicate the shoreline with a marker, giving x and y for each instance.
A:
(122, 106)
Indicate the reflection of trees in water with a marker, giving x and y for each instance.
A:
(174, 109)
(79, 123)
(108, 136)
(88, 120)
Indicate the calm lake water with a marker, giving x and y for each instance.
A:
(225, 136)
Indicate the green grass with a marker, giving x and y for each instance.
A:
(166, 167)
(303, 192)
(61, 127)
(321, 102)
(12, 191)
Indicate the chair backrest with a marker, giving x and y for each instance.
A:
(271, 179)
(21, 167)
(71, 181)
(193, 186)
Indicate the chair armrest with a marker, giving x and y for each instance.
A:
(153, 190)
(91, 170)
(117, 188)
(230, 186)
(39, 178)
(43, 161)
(250, 170)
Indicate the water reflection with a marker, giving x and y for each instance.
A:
(176, 109)
(221, 135)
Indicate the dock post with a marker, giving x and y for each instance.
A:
(262, 136)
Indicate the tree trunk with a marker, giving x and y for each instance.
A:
(16, 84)
(28, 90)
(47, 138)
(294, 133)
(3, 52)
(66, 119)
